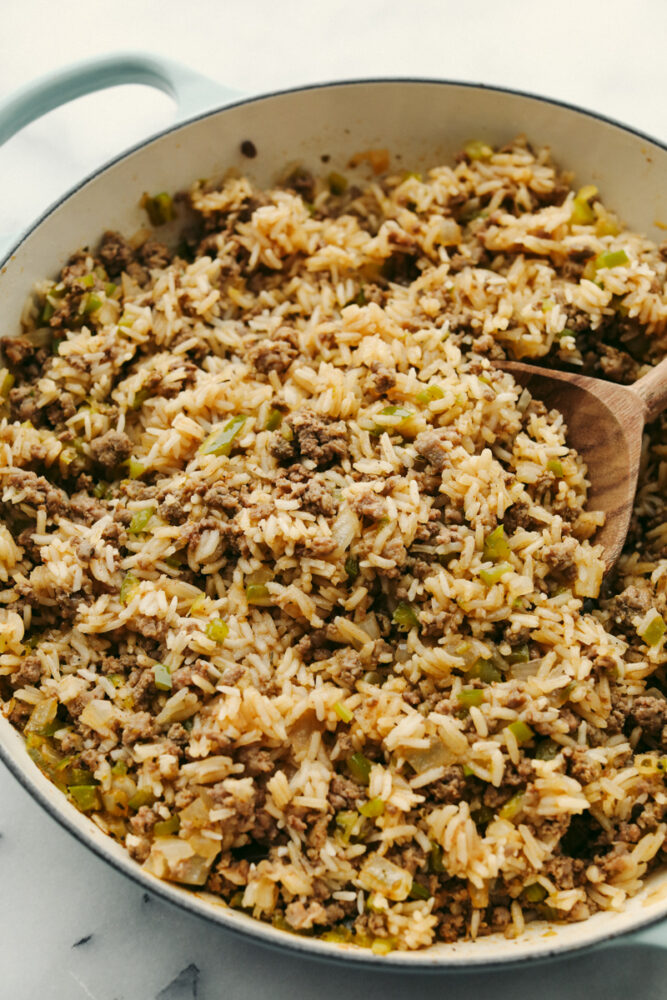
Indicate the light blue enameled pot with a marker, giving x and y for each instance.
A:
(421, 123)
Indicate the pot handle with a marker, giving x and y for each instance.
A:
(191, 91)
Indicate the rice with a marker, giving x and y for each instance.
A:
(302, 599)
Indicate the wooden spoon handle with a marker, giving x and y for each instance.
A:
(652, 390)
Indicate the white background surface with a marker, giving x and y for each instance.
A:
(607, 55)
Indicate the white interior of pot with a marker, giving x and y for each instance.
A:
(421, 125)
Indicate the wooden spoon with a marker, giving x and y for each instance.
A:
(605, 422)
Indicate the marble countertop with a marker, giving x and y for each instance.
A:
(70, 926)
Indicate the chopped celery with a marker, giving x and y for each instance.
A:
(405, 616)
(339, 935)
(119, 768)
(6, 382)
(142, 797)
(512, 807)
(382, 946)
(343, 712)
(110, 289)
(495, 544)
(220, 442)
(521, 731)
(140, 520)
(535, 893)
(167, 827)
(654, 631)
(547, 749)
(582, 213)
(135, 469)
(435, 863)
(373, 808)
(485, 670)
(611, 258)
(140, 398)
(401, 412)
(418, 891)
(481, 817)
(46, 313)
(128, 587)
(646, 764)
(470, 696)
(258, 593)
(520, 654)
(162, 676)
(217, 630)
(337, 183)
(274, 420)
(349, 823)
(468, 771)
(90, 304)
(556, 466)
(352, 567)
(491, 576)
(197, 605)
(478, 150)
(159, 208)
(428, 394)
(359, 767)
(86, 797)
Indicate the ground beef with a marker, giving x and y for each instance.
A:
(154, 254)
(141, 726)
(23, 405)
(256, 761)
(382, 379)
(61, 409)
(89, 510)
(38, 492)
(111, 449)
(273, 356)
(220, 497)
(580, 766)
(619, 366)
(142, 686)
(517, 516)
(317, 498)
(281, 448)
(369, 505)
(561, 558)
(302, 917)
(172, 510)
(314, 646)
(28, 673)
(565, 872)
(627, 607)
(500, 918)
(343, 793)
(314, 495)
(16, 350)
(302, 182)
(144, 820)
(317, 440)
(435, 445)
(650, 713)
(115, 253)
(451, 787)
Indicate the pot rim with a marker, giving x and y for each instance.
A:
(6, 256)
(256, 930)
